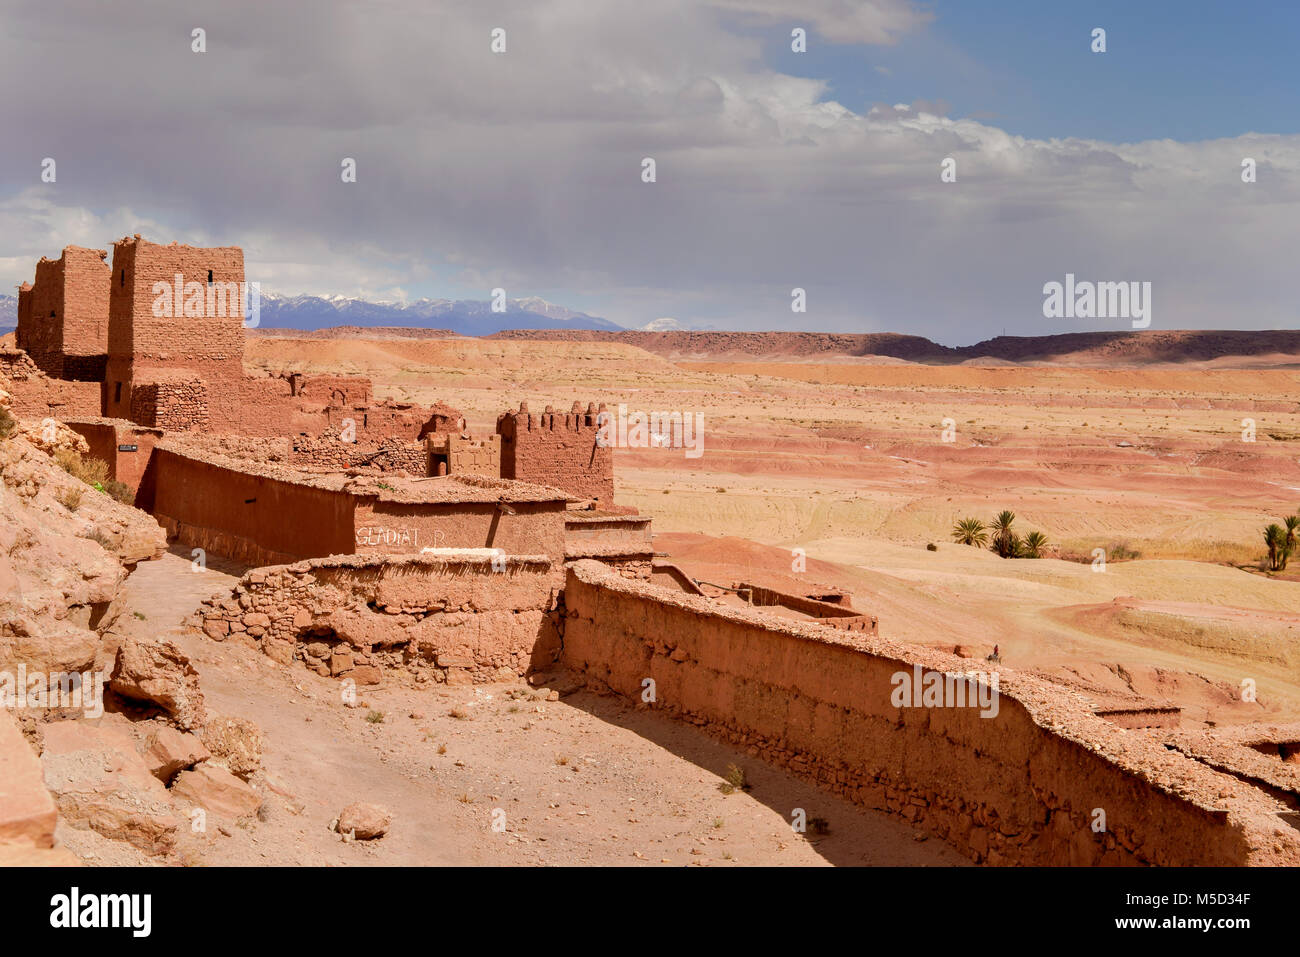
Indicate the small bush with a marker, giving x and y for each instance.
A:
(120, 491)
(375, 717)
(736, 780)
(94, 472)
(70, 498)
(7, 423)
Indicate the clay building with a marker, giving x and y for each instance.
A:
(264, 514)
(560, 449)
(63, 315)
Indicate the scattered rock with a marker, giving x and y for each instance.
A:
(99, 781)
(217, 791)
(160, 673)
(236, 743)
(167, 752)
(364, 821)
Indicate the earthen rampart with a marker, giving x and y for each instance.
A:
(1021, 787)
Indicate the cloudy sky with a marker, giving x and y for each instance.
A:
(774, 169)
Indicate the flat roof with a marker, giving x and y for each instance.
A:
(444, 489)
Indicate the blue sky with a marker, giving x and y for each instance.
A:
(1187, 70)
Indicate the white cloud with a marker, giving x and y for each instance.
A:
(523, 170)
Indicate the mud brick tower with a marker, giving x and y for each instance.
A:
(63, 316)
(175, 330)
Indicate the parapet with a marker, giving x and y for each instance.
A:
(576, 419)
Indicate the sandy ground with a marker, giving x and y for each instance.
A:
(848, 460)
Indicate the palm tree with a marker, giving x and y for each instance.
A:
(1275, 539)
(1034, 544)
(970, 531)
(1005, 541)
(1292, 522)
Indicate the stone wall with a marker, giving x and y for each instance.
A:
(1020, 787)
(329, 452)
(558, 449)
(453, 619)
(177, 403)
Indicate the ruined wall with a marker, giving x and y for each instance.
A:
(63, 316)
(469, 456)
(252, 518)
(125, 446)
(534, 528)
(453, 620)
(36, 396)
(1017, 788)
(329, 451)
(559, 450)
(836, 616)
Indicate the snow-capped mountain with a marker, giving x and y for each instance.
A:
(669, 324)
(463, 316)
(8, 314)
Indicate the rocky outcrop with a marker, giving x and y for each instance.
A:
(158, 673)
(101, 782)
(63, 545)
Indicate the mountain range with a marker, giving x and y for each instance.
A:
(466, 317)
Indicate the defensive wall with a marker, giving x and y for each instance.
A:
(1023, 786)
